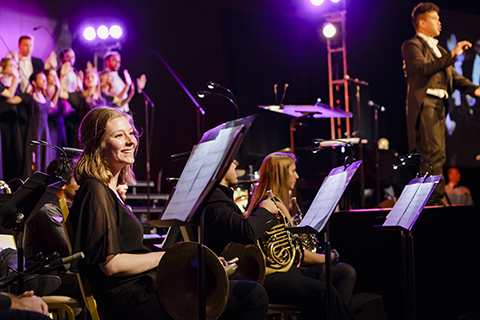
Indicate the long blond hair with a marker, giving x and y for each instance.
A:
(91, 134)
(273, 176)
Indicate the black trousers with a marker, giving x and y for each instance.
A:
(431, 142)
(301, 288)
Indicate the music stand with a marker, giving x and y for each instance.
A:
(24, 204)
(319, 110)
(318, 215)
(206, 166)
(401, 218)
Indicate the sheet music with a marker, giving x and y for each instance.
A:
(201, 168)
(325, 201)
(409, 205)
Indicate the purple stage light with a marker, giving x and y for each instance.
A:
(335, 1)
(115, 31)
(316, 2)
(102, 32)
(89, 33)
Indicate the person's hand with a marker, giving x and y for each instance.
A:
(80, 76)
(269, 205)
(461, 47)
(64, 69)
(12, 55)
(122, 191)
(128, 79)
(141, 82)
(477, 92)
(335, 256)
(30, 302)
(51, 62)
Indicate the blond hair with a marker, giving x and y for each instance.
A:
(273, 176)
(92, 135)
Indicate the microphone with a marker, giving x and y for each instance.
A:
(72, 152)
(376, 106)
(356, 81)
(203, 94)
(179, 156)
(60, 262)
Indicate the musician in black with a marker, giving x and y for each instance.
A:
(299, 286)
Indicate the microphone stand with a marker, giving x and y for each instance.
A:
(195, 102)
(148, 131)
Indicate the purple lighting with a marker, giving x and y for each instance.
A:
(89, 33)
(316, 2)
(115, 31)
(102, 32)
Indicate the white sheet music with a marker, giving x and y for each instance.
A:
(409, 205)
(201, 168)
(325, 201)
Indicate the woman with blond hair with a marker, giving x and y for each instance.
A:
(299, 286)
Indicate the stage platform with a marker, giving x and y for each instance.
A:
(447, 259)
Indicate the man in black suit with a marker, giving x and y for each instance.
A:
(431, 78)
(26, 63)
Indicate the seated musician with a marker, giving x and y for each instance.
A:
(119, 268)
(297, 286)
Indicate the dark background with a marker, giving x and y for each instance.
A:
(248, 46)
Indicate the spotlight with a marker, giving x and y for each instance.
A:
(89, 33)
(329, 30)
(335, 1)
(115, 31)
(102, 32)
(316, 2)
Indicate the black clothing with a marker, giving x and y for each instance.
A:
(297, 286)
(224, 221)
(426, 113)
(44, 232)
(103, 226)
(7, 313)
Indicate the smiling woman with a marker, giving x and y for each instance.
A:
(121, 271)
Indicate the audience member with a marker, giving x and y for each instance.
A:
(454, 192)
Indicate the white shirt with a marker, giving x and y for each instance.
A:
(118, 86)
(476, 70)
(433, 44)
(26, 70)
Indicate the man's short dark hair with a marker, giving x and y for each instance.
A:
(420, 10)
(109, 54)
(59, 165)
(62, 53)
(25, 37)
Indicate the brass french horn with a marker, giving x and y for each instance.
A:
(277, 244)
(4, 185)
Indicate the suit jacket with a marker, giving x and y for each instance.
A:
(420, 64)
(37, 64)
(224, 222)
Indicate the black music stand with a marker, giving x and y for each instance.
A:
(24, 204)
(401, 218)
(318, 215)
(206, 166)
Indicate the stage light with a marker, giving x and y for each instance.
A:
(102, 32)
(329, 30)
(316, 2)
(335, 1)
(115, 31)
(89, 33)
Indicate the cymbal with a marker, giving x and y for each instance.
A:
(319, 110)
